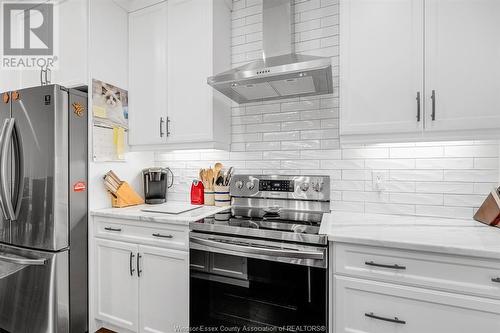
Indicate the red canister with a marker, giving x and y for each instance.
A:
(197, 193)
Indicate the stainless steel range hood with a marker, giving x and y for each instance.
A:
(280, 73)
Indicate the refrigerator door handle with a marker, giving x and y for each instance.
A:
(19, 181)
(21, 260)
(4, 171)
(3, 199)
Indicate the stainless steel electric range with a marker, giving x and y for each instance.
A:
(262, 264)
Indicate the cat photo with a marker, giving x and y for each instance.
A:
(110, 103)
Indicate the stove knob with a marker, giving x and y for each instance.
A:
(250, 185)
(239, 184)
(318, 187)
(304, 187)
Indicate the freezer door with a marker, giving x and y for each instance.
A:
(38, 203)
(34, 291)
(4, 118)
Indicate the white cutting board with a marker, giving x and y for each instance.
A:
(170, 208)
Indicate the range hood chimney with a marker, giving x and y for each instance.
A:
(280, 73)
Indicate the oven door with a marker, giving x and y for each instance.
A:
(257, 285)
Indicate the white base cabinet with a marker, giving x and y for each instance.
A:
(375, 307)
(140, 276)
(117, 284)
(386, 290)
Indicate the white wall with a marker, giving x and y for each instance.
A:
(300, 136)
(109, 63)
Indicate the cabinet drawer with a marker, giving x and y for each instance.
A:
(376, 307)
(446, 272)
(170, 236)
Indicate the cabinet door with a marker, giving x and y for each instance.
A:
(148, 75)
(381, 66)
(9, 80)
(117, 283)
(72, 17)
(189, 66)
(164, 290)
(372, 307)
(462, 64)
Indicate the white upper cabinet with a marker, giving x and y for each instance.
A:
(73, 43)
(171, 104)
(196, 112)
(148, 75)
(462, 64)
(381, 66)
(383, 60)
(71, 22)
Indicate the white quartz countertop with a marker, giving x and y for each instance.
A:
(136, 213)
(442, 235)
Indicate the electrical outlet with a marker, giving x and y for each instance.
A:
(378, 180)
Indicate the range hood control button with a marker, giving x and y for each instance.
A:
(250, 185)
(304, 187)
(239, 184)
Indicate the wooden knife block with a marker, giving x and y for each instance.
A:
(125, 196)
(489, 212)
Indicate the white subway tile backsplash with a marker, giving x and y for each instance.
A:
(283, 116)
(301, 144)
(444, 211)
(269, 127)
(365, 153)
(416, 152)
(261, 146)
(300, 136)
(281, 136)
(416, 175)
(445, 163)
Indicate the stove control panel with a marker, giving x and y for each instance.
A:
(277, 185)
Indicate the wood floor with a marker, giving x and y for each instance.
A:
(103, 330)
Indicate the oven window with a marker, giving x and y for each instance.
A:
(256, 295)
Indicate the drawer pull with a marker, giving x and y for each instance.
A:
(392, 320)
(496, 280)
(113, 229)
(162, 236)
(396, 266)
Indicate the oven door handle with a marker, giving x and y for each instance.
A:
(298, 254)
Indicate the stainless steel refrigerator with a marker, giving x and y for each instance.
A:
(43, 201)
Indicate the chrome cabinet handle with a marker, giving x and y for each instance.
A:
(139, 270)
(392, 320)
(418, 106)
(496, 280)
(168, 126)
(132, 270)
(161, 127)
(395, 266)
(113, 229)
(433, 98)
(162, 236)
